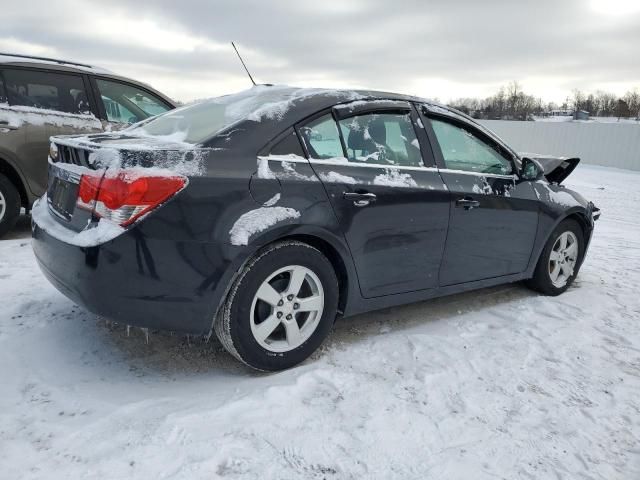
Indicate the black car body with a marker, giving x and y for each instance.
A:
(396, 230)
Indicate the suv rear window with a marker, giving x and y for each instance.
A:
(128, 104)
(51, 91)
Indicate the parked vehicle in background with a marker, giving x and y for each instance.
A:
(41, 97)
(265, 214)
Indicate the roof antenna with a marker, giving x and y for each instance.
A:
(242, 61)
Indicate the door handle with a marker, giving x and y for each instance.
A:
(6, 126)
(359, 199)
(467, 203)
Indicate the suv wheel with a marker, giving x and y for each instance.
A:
(280, 308)
(9, 205)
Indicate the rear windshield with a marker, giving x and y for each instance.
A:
(200, 121)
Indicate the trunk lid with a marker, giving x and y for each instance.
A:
(103, 156)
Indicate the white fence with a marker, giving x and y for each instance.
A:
(608, 144)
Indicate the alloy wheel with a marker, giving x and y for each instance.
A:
(287, 308)
(3, 206)
(563, 259)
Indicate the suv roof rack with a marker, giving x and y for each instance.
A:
(47, 59)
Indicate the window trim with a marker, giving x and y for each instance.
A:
(440, 161)
(102, 113)
(429, 163)
(302, 123)
(269, 146)
(83, 76)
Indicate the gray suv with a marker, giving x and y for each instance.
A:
(41, 97)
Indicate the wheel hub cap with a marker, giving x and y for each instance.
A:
(563, 259)
(287, 308)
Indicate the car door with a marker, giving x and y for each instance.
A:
(46, 103)
(120, 104)
(389, 199)
(494, 217)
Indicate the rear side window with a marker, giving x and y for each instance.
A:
(382, 138)
(322, 138)
(51, 91)
(289, 145)
(127, 104)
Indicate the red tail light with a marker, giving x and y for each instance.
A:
(127, 196)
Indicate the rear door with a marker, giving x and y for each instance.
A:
(46, 103)
(494, 217)
(392, 205)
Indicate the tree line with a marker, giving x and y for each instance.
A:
(512, 103)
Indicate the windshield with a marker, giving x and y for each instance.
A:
(200, 121)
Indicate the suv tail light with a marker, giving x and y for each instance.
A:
(123, 198)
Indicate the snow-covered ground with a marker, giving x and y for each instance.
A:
(591, 119)
(498, 383)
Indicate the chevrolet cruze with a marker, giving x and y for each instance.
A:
(267, 214)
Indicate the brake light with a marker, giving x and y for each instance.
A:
(125, 197)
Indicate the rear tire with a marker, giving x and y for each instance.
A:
(280, 308)
(560, 260)
(9, 205)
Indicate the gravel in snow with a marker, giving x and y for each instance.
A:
(498, 383)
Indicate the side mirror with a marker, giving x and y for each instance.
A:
(531, 170)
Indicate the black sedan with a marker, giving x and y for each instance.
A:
(267, 214)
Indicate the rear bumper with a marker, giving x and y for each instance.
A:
(136, 280)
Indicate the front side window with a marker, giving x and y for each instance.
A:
(322, 138)
(50, 91)
(127, 104)
(381, 138)
(462, 150)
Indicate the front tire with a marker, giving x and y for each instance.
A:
(280, 308)
(9, 205)
(560, 259)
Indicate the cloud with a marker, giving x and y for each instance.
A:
(432, 48)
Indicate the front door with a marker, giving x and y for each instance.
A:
(392, 208)
(494, 217)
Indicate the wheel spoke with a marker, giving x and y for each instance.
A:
(310, 304)
(563, 241)
(297, 278)
(555, 271)
(293, 333)
(572, 251)
(567, 270)
(268, 294)
(555, 256)
(266, 328)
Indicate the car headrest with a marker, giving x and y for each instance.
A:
(356, 140)
(378, 131)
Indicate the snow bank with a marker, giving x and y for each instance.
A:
(93, 235)
(501, 383)
(16, 116)
(258, 220)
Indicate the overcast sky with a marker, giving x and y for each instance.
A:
(433, 48)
